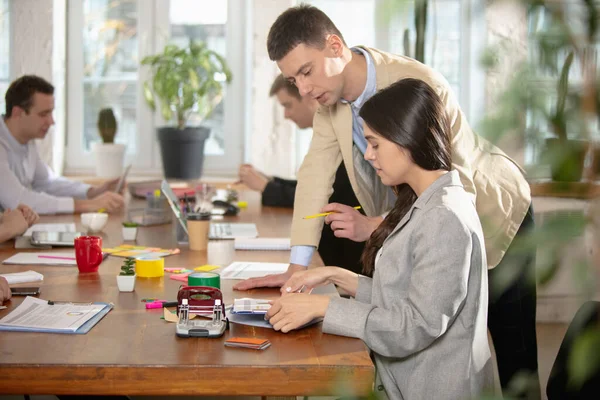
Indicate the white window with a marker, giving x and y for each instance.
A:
(107, 41)
(4, 51)
(453, 42)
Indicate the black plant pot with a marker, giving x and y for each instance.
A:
(566, 159)
(182, 151)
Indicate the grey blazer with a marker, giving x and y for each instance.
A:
(424, 313)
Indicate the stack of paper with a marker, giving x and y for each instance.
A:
(23, 277)
(245, 270)
(262, 244)
(248, 343)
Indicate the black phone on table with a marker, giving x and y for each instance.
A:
(25, 291)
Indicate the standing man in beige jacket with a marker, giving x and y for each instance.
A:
(311, 52)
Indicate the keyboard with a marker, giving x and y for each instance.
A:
(232, 230)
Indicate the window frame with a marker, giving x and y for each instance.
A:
(153, 28)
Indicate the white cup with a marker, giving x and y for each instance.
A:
(94, 222)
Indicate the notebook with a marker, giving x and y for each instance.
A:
(262, 244)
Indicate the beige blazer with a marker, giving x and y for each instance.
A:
(496, 182)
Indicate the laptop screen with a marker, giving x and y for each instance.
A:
(173, 203)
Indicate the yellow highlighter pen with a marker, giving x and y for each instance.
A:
(325, 214)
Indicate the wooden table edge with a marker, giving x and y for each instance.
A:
(325, 380)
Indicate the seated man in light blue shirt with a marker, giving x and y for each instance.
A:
(24, 177)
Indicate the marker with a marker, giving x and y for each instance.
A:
(161, 304)
(325, 214)
(102, 210)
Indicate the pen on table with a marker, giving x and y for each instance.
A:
(325, 214)
(161, 304)
(58, 257)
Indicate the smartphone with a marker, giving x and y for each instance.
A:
(25, 291)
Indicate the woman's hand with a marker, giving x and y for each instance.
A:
(305, 281)
(296, 310)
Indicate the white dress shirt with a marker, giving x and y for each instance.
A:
(26, 179)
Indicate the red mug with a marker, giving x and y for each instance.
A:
(88, 253)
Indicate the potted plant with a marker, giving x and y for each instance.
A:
(130, 230)
(185, 81)
(126, 279)
(109, 156)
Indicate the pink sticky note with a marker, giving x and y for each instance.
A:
(180, 277)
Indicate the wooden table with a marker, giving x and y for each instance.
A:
(132, 351)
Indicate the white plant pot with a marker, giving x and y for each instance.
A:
(109, 159)
(126, 283)
(129, 233)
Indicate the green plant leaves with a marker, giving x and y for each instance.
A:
(148, 96)
(186, 80)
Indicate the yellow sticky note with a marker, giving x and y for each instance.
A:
(206, 268)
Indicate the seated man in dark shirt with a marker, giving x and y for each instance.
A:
(279, 192)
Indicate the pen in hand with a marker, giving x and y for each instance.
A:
(325, 214)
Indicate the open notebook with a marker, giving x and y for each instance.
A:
(262, 244)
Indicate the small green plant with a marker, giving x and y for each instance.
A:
(130, 224)
(107, 125)
(127, 267)
(186, 80)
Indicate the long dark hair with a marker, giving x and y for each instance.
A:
(410, 114)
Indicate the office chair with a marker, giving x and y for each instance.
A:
(558, 386)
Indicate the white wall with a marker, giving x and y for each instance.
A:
(32, 47)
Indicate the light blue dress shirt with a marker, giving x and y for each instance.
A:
(302, 255)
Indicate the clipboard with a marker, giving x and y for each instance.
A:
(83, 329)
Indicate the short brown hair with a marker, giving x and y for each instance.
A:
(303, 24)
(20, 92)
(281, 83)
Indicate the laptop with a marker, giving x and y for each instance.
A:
(218, 230)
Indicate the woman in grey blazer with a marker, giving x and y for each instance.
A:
(424, 311)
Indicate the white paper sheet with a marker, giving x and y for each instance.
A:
(23, 277)
(50, 228)
(246, 270)
(37, 313)
(49, 258)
